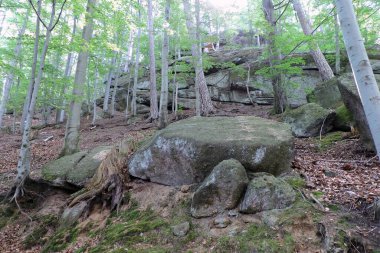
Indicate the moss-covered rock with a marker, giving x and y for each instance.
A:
(267, 193)
(344, 119)
(327, 94)
(186, 151)
(221, 190)
(351, 99)
(308, 120)
(75, 169)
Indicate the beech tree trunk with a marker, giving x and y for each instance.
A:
(361, 68)
(280, 97)
(9, 80)
(23, 164)
(152, 65)
(200, 81)
(337, 44)
(320, 60)
(108, 86)
(33, 71)
(73, 121)
(61, 111)
(136, 73)
(163, 117)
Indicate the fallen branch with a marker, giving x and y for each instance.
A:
(49, 138)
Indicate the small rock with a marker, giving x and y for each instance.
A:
(251, 219)
(221, 222)
(329, 173)
(233, 213)
(233, 231)
(182, 229)
(72, 214)
(185, 188)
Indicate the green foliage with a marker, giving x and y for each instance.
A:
(288, 66)
(37, 236)
(61, 239)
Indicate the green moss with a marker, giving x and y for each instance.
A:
(328, 140)
(343, 114)
(7, 214)
(130, 228)
(296, 182)
(257, 238)
(318, 194)
(61, 239)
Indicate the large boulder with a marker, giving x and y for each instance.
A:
(327, 94)
(351, 99)
(186, 151)
(75, 169)
(221, 190)
(267, 192)
(309, 120)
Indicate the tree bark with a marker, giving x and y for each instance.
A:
(9, 80)
(23, 165)
(280, 97)
(320, 60)
(200, 81)
(136, 73)
(163, 118)
(73, 121)
(361, 68)
(337, 44)
(61, 111)
(108, 87)
(152, 65)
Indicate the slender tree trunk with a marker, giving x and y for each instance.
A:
(320, 60)
(73, 122)
(23, 165)
(200, 81)
(94, 95)
(337, 44)
(152, 65)
(33, 72)
(361, 68)
(136, 73)
(108, 87)
(9, 80)
(128, 56)
(163, 119)
(61, 111)
(115, 88)
(280, 98)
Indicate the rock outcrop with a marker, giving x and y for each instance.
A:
(351, 99)
(221, 190)
(267, 192)
(186, 151)
(309, 120)
(75, 169)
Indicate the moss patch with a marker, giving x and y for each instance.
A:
(36, 237)
(7, 214)
(61, 239)
(328, 140)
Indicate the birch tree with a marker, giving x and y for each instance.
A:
(163, 117)
(201, 90)
(73, 122)
(361, 68)
(320, 60)
(137, 60)
(23, 165)
(152, 65)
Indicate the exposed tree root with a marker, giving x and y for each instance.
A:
(108, 183)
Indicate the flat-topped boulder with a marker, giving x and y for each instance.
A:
(186, 151)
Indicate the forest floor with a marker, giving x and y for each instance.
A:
(337, 169)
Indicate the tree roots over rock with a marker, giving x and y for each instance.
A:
(107, 185)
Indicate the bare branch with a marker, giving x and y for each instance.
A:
(59, 16)
(38, 14)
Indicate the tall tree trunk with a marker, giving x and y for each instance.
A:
(136, 73)
(320, 60)
(9, 80)
(200, 81)
(361, 68)
(33, 71)
(163, 119)
(152, 65)
(128, 56)
(280, 97)
(61, 111)
(73, 122)
(23, 165)
(337, 44)
(94, 95)
(115, 88)
(108, 86)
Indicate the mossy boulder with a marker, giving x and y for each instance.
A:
(75, 169)
(344, 119)
(309, 120)
(351, 99)
(186, 151)
(327, 94)
(221, 190)
(266, 193)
